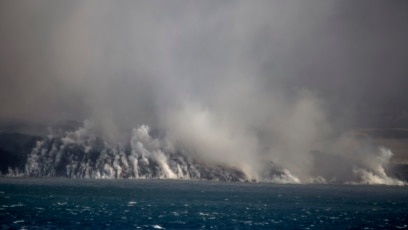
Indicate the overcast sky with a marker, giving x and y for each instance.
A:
(122, 62)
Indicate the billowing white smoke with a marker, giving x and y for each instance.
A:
(353, 159)
(142, 144)
(201, 135)
(376, 174)
(80, 154)
(297, 151)
(254, 131)
(109, 161)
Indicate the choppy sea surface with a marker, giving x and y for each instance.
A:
(27, 203)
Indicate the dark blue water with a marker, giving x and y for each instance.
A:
(161, 204)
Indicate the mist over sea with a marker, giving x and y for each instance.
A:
(28, 203)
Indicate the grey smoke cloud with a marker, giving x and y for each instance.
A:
(233, 82)
(75, 60)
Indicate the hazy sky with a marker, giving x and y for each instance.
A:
(126, 63)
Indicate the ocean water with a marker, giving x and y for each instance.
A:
(27, 203)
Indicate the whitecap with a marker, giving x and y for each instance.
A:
(16, 205)
(156, 226)
(132, 203)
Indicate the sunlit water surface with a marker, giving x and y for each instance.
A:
(170, 204)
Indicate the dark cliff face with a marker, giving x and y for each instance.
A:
(34, 156)
(17, 139)
(81, 155)
(14, 150)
